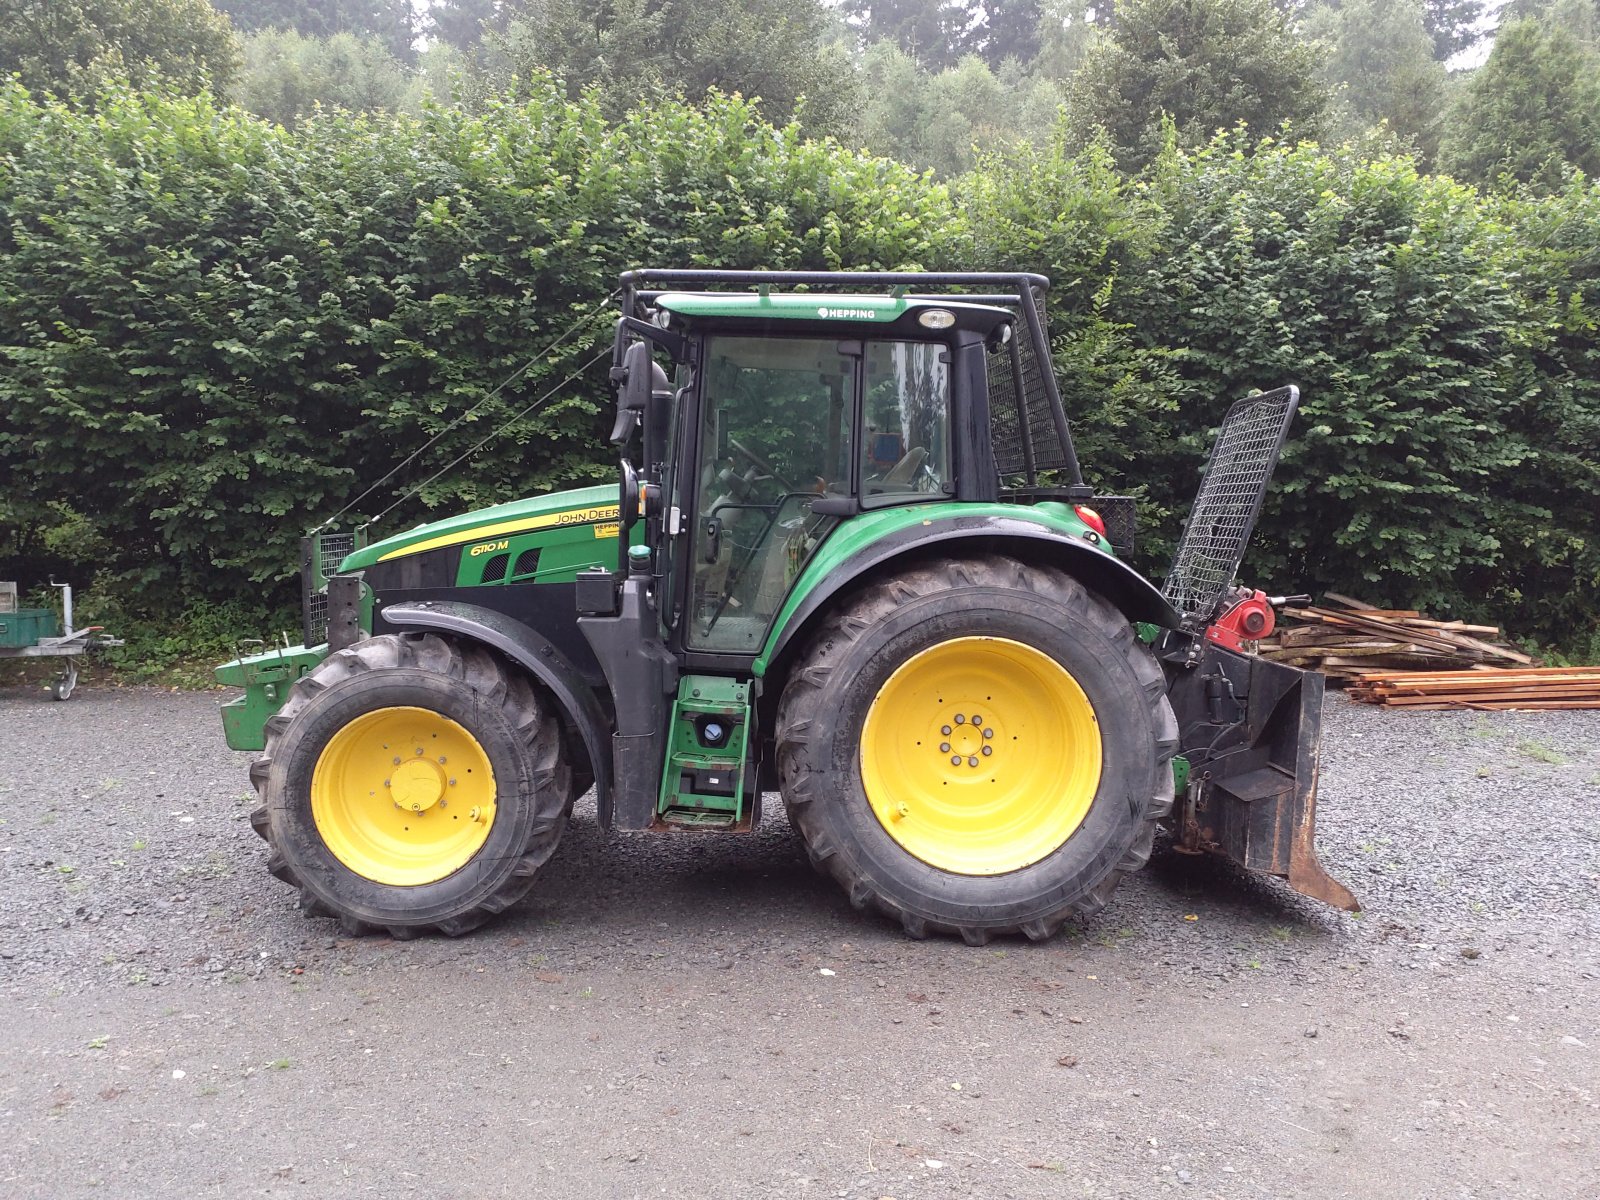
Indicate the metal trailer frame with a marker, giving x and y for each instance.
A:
(69, 646)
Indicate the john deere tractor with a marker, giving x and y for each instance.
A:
(851, 560)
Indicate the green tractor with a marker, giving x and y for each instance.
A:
(850, 560)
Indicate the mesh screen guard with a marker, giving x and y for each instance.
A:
(320, 556)
(1232, 488)
(1022, 425)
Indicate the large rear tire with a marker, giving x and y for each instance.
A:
(411, 783)
(977, 747)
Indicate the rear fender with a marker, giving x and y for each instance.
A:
(580, 710)
(1250, 730)
(1131, 592)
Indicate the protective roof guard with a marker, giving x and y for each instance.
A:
(1021, 292)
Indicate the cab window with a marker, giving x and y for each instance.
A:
(905, 439)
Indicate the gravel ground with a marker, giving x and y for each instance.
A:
(695, 1016)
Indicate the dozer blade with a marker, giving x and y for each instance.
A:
(1250, 730)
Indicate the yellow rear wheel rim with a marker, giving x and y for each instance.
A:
(403, 796)
(981, 755)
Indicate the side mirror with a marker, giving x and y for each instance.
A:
(633, 390)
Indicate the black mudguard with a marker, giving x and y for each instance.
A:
(1250, 730)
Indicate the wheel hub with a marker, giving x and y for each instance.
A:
(967, 739)
(417, 784)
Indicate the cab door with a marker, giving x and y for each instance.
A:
(776, 424)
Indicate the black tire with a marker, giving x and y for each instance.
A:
(833, 684)
(510, 719)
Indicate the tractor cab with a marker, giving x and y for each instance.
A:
(792, 415)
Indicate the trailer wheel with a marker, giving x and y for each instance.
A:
(977, 747)
(411, 783)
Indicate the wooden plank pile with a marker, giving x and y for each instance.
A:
(1404, 659)
(1533, 688)
(1356, 639)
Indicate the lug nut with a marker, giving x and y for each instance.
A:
(441, 759)
(945, 747)
(397, 760)
(976, 720)
(955, 760)
(960, 720)
(988, 750)
(973, 761)
(944, 729)
(988, 733)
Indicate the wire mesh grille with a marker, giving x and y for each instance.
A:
(1229, 500)
(495, 569)
(1120, 513)
(1019, 408)
(527, 563)
(320, 557)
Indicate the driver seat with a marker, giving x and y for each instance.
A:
(904, 471)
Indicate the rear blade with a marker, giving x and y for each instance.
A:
(1250, 730)
(1229, 501)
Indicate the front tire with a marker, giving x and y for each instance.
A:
(411, 783)
(977, 747)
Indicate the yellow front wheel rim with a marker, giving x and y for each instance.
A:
(403, 796)
(981, 755)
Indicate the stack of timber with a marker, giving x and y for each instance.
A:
(1355, 639)
(1532, 688)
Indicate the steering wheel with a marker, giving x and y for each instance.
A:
(759, 463)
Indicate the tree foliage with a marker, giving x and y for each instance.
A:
(1530, 111)
(70, 47)
(1453, 25)
(287, 74)
(215, 331)
(463, 24)
(1207, 64)
(1379, 62)
(938, 34)
(390, 21)
(943, 120)
(632, 50)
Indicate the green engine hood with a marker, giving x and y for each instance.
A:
(579, 506)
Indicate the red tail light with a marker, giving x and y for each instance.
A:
(1090, 518)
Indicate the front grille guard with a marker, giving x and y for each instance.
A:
(320, 556)
(1229, 501)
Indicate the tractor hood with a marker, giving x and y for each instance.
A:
(579, 506)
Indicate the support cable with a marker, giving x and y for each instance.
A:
(434, 440)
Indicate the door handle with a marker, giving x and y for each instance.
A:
(713, 530)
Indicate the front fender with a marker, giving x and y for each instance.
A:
(1028, 538)
(536, 655)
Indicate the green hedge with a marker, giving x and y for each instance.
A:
(1447, 455)
(216, 332)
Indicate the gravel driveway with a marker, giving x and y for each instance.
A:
(695, 1016)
